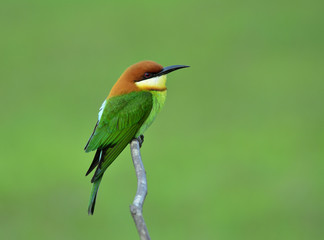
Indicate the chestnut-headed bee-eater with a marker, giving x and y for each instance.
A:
(128, 111)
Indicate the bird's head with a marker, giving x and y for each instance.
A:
(144, 75)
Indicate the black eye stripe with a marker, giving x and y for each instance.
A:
(148, 75)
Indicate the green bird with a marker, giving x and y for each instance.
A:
(128, 111)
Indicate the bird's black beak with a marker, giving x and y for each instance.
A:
(169, 69)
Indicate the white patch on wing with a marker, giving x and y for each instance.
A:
(155, 82)
(101, 109)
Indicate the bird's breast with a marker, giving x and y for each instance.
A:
(158, 102)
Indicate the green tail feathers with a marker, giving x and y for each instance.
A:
(93, 196)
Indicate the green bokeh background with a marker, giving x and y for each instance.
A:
(237, 152)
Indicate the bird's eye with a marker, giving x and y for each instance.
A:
(147, 75)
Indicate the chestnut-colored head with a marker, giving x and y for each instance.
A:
(144, 75)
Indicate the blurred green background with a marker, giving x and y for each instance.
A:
(237, 152)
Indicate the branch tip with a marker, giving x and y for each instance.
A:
(136, 208)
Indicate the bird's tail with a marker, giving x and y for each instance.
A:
(93, 195)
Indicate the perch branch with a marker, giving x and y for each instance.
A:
(137, 207)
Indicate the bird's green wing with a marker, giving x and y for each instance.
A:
(119, 120)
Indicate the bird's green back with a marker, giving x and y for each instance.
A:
(121, 118)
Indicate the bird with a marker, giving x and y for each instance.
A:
(130, 108)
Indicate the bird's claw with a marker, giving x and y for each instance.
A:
(140, 140)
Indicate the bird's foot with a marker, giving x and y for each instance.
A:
(141, 140)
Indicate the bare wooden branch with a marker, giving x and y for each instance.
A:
(137, 207)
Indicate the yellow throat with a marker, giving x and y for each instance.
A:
(155, 83)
